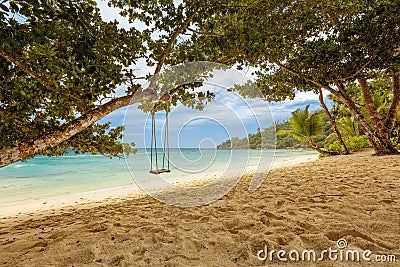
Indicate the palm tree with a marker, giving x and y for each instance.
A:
(349, 126)
(305, 126)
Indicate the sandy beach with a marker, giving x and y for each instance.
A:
(125, 191)
(309, 206)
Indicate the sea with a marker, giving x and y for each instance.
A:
(44, 177)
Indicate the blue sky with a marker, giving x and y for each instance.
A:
(227, 116)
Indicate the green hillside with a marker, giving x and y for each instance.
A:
(267, 139)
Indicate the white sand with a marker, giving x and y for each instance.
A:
(128, 191)
(307, 206)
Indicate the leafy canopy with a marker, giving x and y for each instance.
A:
(59, 60)
(322, 41)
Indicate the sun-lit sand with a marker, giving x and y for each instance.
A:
(307, 206)
(128, 191)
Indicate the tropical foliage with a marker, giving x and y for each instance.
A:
(354, 143)
(305, 126)
(312, 45)
(304, 129)
(265, 139)
(382, 100)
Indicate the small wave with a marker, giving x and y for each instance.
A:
(17, 166)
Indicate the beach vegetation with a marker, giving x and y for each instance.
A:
(311, 46)
(354, 143)
(305, 126)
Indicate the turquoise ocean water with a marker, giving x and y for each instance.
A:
(44, 177)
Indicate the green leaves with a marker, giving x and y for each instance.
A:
(321, 40)
(306, 125)
(58, 59)
(99, 138)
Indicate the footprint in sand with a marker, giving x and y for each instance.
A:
(189, 244)
(39, 244)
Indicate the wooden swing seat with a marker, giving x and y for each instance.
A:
(160, 171)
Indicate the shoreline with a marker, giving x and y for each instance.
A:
(119, 193)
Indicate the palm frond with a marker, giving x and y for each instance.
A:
(299, 137)
(283, 133)
(305, 125)
(348, 126)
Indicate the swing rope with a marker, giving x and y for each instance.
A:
(166, 143)
(153, 142)
(165, 156)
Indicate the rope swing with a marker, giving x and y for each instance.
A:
(165, 155)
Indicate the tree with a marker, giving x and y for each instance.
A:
(305, 126)
(333, 123)
(382, 99)
(60, 67)
(58, 63)
(312, 45)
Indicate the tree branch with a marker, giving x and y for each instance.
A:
(22, 66)
(171, 42)
(233, 6)
(25, 150)
(317, 83)
(369, 103)
(205, 33)
(343, 97)
(333, 122)
(168, 49)
(25, 69)
(354, 74)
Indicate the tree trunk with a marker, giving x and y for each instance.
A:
(321, 151)
(381, 145)
(381, 131)
(333, 122)
(23, 151)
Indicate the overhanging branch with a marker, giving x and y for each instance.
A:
(317, 83)
(205, 33)
(171, 42)
(354, 74)
(341, 94)
(26, 150)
